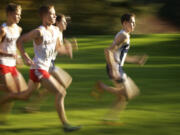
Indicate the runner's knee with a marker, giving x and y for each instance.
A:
(62, 93)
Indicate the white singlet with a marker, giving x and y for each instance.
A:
(9, 44)
(61, 41)
(45, 51)
(121, 52)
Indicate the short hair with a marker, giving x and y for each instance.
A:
(126, 17)
(60, 16)
(11, 7)
(45, 9)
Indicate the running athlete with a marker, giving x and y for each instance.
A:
(11, 80)
(61, 75)
(46, 41)
(124, 88)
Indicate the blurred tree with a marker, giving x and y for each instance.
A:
(93, 16)
(171, 12)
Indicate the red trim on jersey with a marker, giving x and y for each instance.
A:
(7, 69)
(37, 74)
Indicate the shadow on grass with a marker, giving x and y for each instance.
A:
(155, 111)
(157, 78)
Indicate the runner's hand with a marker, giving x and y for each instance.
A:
(28, 61)
(69, 48)
(143, 59)
(74, 44)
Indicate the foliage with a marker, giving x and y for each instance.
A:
(94, 16)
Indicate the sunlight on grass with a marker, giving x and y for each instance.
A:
(154, 112)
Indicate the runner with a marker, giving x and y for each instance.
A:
(61, 75)
(124, 88)
(11, 79)
(46, 40)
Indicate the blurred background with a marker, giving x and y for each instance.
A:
(94, 17)
(155, 112)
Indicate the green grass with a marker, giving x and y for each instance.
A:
(156, 111)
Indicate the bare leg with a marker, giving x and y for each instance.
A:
(20, 85)
(131, 88)
(8, 84)
(120, 103)
(59, 102)
(117, 107)
(13, 84)
(20, 95)
(20, 82)
(52, 84)
(100, 87)
(23, 87)
(127, 88)
(62, 77)
(118, 89)
(36, 100)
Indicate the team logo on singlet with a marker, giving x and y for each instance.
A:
(48, 42)
(10, 40)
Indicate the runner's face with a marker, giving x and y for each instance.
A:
(62, 24)
(51, 16)
(15, 16)
(130, 25)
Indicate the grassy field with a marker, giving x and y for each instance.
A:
(156, 111)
